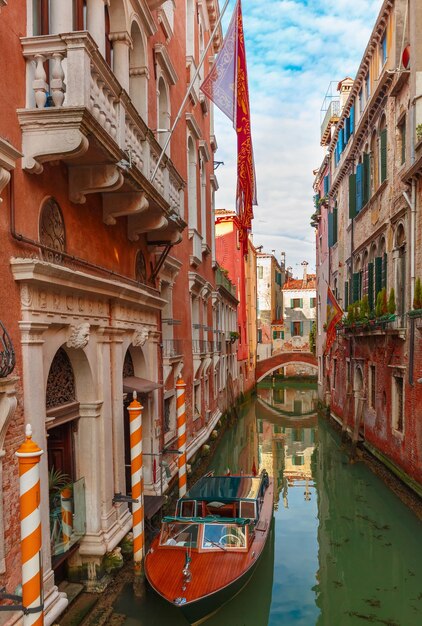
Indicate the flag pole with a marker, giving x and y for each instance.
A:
(192, 82)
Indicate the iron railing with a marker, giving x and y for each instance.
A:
(200, 346)
(7, 353)
(172, 348)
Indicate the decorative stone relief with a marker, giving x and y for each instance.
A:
(140, 337)
(79, 336)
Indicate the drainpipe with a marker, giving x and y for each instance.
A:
(412, 206)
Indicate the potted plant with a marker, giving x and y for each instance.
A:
(234, 336)
(419, 132)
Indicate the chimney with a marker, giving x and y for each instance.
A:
(344, 87)
(305, 274)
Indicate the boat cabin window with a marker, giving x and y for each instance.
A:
(187, 508)
(179, 534)
(226, 536)
(247, 509)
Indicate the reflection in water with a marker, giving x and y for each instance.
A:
(343, 549)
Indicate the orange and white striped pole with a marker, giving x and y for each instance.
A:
(135, 426)
(181, 434)
(67, 519)
(29, 486)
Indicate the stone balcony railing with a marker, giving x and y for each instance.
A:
(78, 112)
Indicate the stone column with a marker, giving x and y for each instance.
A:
(34, 384)
(121, 43)
(117, 359)
(61, 17)
(95, 22)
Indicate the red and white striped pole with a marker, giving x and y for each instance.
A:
(135, 426)
(181, 434)
(67, 519)
(29, 486)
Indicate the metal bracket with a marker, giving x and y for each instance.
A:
(120, 497)
(17, 607)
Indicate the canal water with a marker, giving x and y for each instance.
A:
(343, 549)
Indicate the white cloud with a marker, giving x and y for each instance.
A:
(294, 49)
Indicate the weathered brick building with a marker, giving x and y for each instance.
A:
(108, 260)
(369, 244)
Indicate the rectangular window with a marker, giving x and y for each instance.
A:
(372, 387)
(360, 102)
(398, 403)
(260, 271)
(167, 414)
(259, 335)
(313, 303)
(383, 49)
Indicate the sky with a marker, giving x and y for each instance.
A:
(294, 48)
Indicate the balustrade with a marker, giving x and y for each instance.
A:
(172, 348)
(67, 73)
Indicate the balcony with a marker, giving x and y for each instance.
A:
(78, 113)
(223, 280)
(201, 346)
(331, 117)
(196, 254)
(172, 348)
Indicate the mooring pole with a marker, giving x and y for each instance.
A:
(135, 425)
(181, 434)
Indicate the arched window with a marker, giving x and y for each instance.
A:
(163, 113)
(399, 257)
(192, 193)
(203, 200)
(138, 73)
(61, 387)
(52, 231)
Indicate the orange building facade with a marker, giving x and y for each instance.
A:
(108, 263)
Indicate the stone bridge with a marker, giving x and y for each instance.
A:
(266, 366)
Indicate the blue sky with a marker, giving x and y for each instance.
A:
(294, 49)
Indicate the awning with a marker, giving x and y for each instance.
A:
(140, 385)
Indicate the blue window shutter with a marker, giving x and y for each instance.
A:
(340, 141)
(352, 119)
(366, 183)
(301, 329)
(359, 188)
(335, 225)
(347, 130)
(326, 184)
(330, 229)
(352, 196)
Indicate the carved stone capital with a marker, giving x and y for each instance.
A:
(79, 336)
(32, 333)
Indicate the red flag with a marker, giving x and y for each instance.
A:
(334, 315)
(227, 86)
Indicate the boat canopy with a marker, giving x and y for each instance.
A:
(228, 488)
(240, 521)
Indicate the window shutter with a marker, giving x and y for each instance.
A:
(282, 334)
(352, 196)
(383, 154)
(274, 334)
(378, 275)
(384, 271)
(326, 184)
(355, 287)
(366, 178)
(301, 303)
(291, 303)
(340, 141)
(371, 285)
(360, 285)
(335, 224)
(359, 188)
(330, 230)
(301, 329)
(346, 295)
(352, 119)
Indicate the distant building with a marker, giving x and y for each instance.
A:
(270, 279)
(299, 314)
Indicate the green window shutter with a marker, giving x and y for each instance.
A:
(383, 154)
(360, 285)
(301, 329)
(335, 225)
(346, 295)
(384, 271)
(378, 275)
(330, 230)
(291, 303)
(371, 285)
(352, 196)
(355, 287)
(366, 178)
(359, 187)
(274, 334)
(301, 303)
(282, 334)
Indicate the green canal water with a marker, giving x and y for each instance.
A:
(343, 549)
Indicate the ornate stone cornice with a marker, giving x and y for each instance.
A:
(163, 59)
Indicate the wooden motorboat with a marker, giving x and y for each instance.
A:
(209, 549)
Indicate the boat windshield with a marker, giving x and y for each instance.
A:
(179, 534)
(225, 536)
